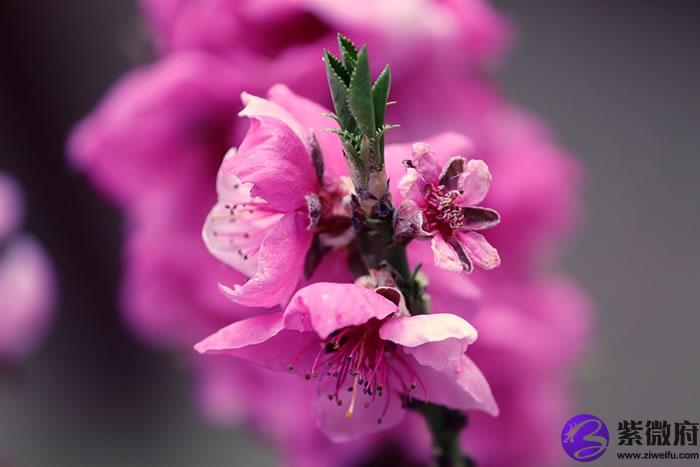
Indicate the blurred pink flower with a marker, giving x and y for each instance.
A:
(283, 402)
(156, 141)
(352, 337)
(27, 290)
(289, 31)
(541, 326)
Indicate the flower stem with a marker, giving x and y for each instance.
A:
(360, 107)
(445, 425)
(375, 239)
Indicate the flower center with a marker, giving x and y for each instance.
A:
(361, 361)
(442, 214)
(335, 216)
(333, 213)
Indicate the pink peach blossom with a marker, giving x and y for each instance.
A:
(275, 194)
(381, 356)
(536, 183)
(443, 203)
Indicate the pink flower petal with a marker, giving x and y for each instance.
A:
(409, 222)
(438, 355)
(425, 163)
(280, 264)
(445, 256)
(475, 183)
(312, 118)
(237, 224)
(326, 307)
(411, 187)
(262, 340)
(415, 331)
(479, 249)
(276, 162)
(451, 172)
(478, 218)
(443, 145)
(257, 107)
(458, 385)
(331, 419)
(433, 339)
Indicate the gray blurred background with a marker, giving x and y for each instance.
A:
(619, 81)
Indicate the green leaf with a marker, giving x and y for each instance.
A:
(366, 153)
(332, 63)
(330, 115)
(348, 52)
(339, 91)
(380, 94)
(360, 98)
(382, 131)
(351, 144)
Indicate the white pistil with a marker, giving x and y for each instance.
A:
(355, 385)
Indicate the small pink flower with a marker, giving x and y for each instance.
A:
(368, 356)
(442, 204)
(27, 283)
(280, 188)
